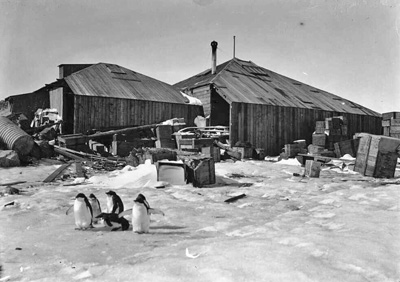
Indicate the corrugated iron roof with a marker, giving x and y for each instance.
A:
(242, 81)
(110, 80)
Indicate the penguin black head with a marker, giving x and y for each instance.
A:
(80, 195)
(92, 196)
(142, 199)
(110, 193)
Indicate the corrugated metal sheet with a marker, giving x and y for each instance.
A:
(245, 82)
(109, 80)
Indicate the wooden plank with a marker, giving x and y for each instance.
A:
(372, 155)
(362, 154)
(79, 169)
(56, 173)
(12, 183)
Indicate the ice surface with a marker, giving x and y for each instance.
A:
(339, 227)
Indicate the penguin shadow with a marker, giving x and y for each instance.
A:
(171, 230)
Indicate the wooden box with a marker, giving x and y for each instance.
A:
(122, 149)
(320, 124)
(212, 152)
(292, 150)
(312, 168)
(336, 123)
(319, 140)
(163, 131)
(386, 131)
(385, 123)
(195, 143)
(375, 156)
(246, 152)
(347, 147)
(344, 129)
(200, 172)
(394, 129)
(390, 115)
(166, 143)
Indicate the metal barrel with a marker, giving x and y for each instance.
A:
(14, 137)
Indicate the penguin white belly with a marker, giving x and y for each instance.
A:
(109, 204)
(83, 218)
(140, 219)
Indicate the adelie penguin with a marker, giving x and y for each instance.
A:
(114, 203)
(110, 218)
(141, 212)
(83, 212)
(96, 208)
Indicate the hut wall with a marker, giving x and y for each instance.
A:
(29, 103)
(271, 127)
(203, 94)
(104, 113)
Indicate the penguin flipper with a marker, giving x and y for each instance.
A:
(124, 223)
(67, 212)
(125, 212)
(115, 229)
(108, 222)
(155, 211)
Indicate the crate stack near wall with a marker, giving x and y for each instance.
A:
(377, 156)
(329, 132)
(391, 124)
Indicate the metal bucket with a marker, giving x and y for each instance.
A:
(14, 137)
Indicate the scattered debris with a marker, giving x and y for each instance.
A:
(56, 173)
(234, 199)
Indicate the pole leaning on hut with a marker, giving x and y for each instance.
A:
(214, 45)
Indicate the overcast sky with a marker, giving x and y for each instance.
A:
(346, 47)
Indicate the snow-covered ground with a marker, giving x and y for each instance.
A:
(339, 227)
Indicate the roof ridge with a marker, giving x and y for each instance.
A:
(218, 74)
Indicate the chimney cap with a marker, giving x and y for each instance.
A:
(214, 43)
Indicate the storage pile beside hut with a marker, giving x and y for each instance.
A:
(233, 111)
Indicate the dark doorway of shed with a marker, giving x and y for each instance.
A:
(219, 110)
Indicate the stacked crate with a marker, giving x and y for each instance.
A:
(391, 124)
(329, 132)
(377, 156)
(164, 137)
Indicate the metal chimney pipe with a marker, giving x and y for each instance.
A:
(214, 45)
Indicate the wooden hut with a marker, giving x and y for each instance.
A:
(107, 96)
(267, 109)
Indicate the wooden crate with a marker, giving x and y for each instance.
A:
(200, 172)
(292, 150)
(245, 152)
(390, 115)
(72, 140)
(347, 147)
(319, 140)
(312, 168)
(375, 156)
(122, 149)
(320, 124)
(212, 152)
(166, 143)
(164, 131)
(385, 123)
(394, 129)
(195, 143)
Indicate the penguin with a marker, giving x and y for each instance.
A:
(114, 203)
(140, 215)
(112, 217)
(141, 212)
(83, 212)
(96, 208)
